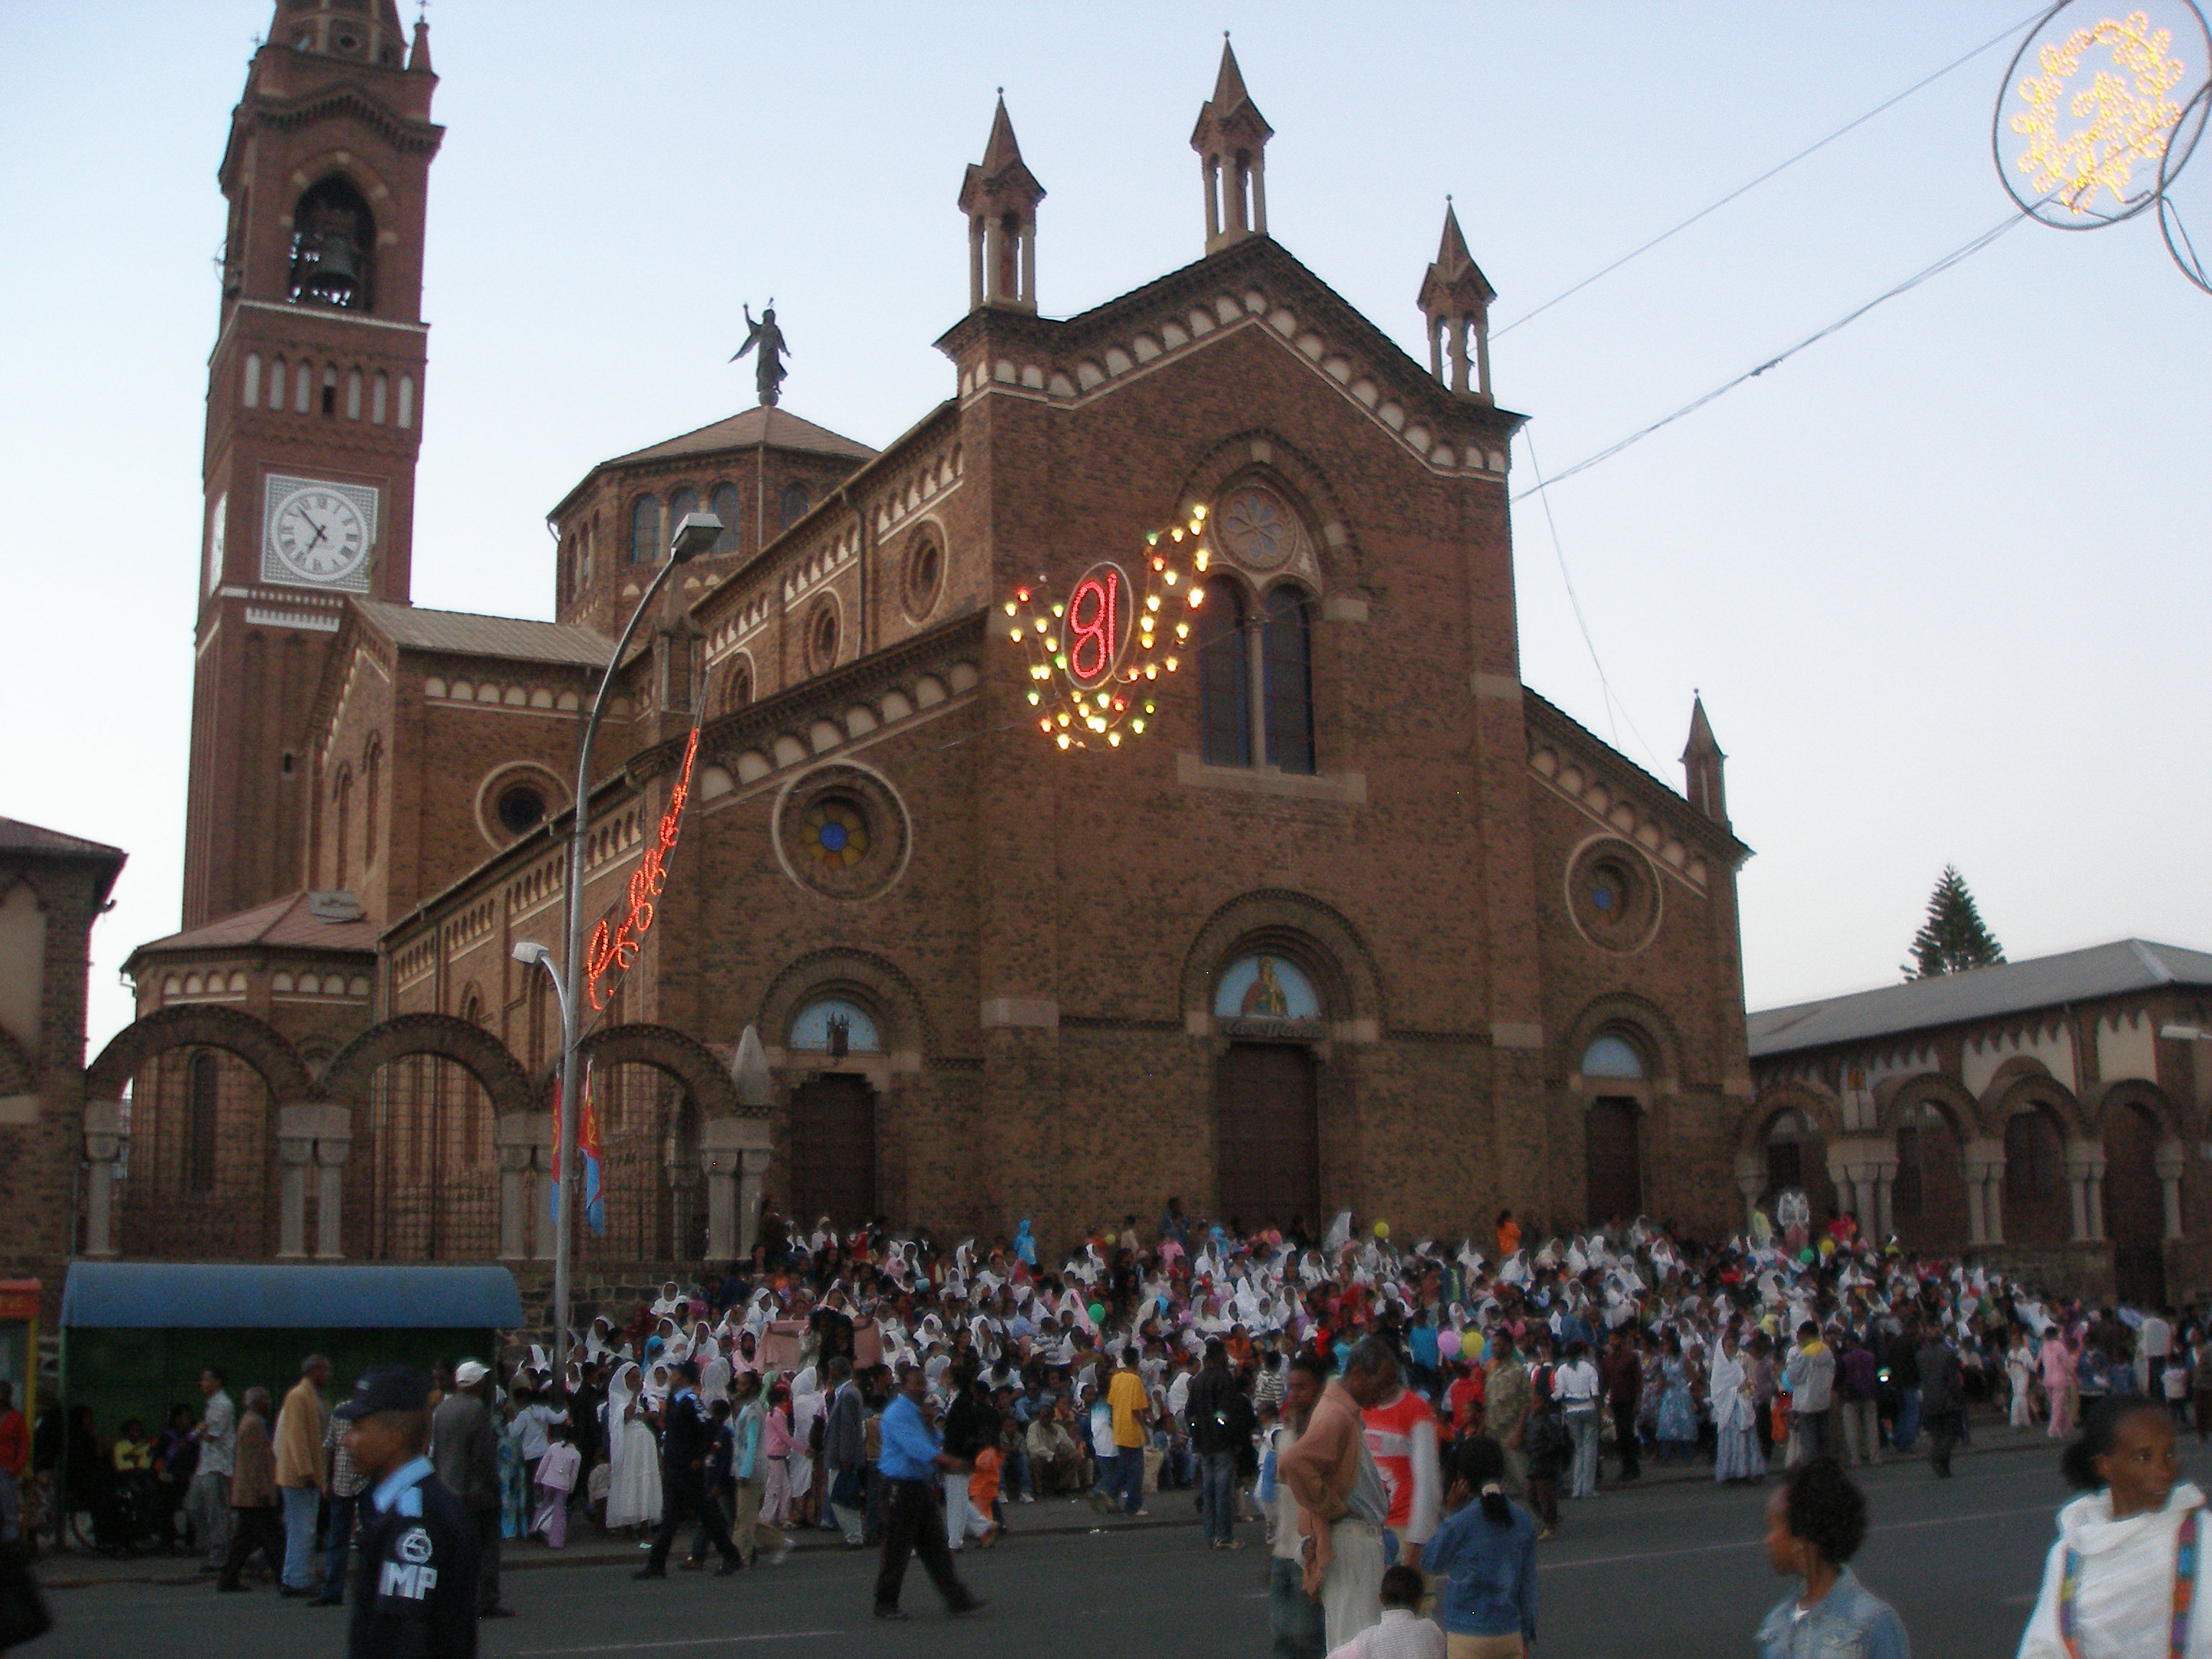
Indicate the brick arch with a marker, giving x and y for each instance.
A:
(668, 1051)
(2164, 1109)
(18, 1076)
(1893, 1099)
(1814, 1100)
(1642, 1021)
(1317, 937)
(474, 1049)
(2005, 1098)
(1299, 479)
(259, 1045)
(877, 983)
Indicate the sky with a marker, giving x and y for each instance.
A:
(1941, 578)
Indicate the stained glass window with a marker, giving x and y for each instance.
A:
(836, 833)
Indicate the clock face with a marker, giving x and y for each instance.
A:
(317, 534)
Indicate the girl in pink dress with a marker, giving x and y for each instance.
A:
(2059, 1363)
(775, 1447)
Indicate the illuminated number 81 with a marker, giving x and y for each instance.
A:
(1092, 626)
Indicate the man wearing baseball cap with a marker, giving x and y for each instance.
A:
(465, 1449)
(415, 1591)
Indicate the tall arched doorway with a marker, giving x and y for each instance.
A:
(1928, 1195)
(2035, 1199)
(2135, 1206)
(831, 1167)
(1612, 1161)
(1267, 1137)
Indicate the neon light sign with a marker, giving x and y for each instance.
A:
(611, 950)
(1093, 656)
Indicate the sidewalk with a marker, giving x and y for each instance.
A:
(1050, 1516)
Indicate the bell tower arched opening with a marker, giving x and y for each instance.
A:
(333, 248)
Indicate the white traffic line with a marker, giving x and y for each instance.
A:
(662, 1647)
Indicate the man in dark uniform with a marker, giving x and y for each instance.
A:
(686, 1438)
(415, 1594)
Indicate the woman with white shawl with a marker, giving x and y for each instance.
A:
(806, 1407)
(1736, 1415)
(633, 1456)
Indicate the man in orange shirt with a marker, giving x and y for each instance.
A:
(1401, 1438)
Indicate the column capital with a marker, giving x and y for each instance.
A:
(2085, 1158)
(2172, 1159)
(1982, 1159)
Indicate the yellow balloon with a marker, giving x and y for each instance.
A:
(1381, 1230)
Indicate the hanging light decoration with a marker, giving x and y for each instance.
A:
(1096, 657)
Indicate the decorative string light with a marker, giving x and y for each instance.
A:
(1095, 657)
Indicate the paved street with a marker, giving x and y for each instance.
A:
(1670, 1571)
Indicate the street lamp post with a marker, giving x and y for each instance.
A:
(695, 535)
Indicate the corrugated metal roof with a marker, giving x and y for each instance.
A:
(2013, 988)
(778, 427)
(17, 836)
(200, 1296)
(514, 638)
(289, 921)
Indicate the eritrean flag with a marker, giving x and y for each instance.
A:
(588, 1147)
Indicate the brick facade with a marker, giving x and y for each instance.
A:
(1476, 892)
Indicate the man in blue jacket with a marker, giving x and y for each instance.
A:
(913, 1517)
(415, 1592)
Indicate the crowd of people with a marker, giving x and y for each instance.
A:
(1384, 1407)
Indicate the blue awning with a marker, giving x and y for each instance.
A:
(178, 1296)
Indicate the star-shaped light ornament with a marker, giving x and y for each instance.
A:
(1096, 657)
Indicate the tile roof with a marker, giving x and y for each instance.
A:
(288, 922)
(781, 428)
(17, 836)
(2011, 987)
(514, 638)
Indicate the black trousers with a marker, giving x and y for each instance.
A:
(1624, 1440)
(254, 1529)
(1945, 1429)
(913, 1523)
(683, 1497)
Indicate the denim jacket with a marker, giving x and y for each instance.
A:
(1847, 1623)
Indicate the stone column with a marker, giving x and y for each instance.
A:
(1750, 1181)
(106, 1140)
(733, 1183)
(1981, 1163)
(2085, 1171)
(2173, 1157)
(294, 1153)
(519, 1139)
(329, 1193)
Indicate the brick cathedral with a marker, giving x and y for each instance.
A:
(1360, 922)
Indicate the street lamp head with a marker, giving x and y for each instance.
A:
(531, 953)
(695, 535)
(2182, 1033)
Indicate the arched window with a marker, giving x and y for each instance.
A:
(727, 507)
(203, 1083)
(378, 392)
(681, 504)
(407, 401)
(795, 502)
(1224, 691)
(253, 380)
(333, 247)
(1612, 1055)
(2031, 1158)
(276, 372)
(303, 388)
(372, 773)
(737, 686)
(645, 531)
(1286, 664)
(836, 1027)
(1786, 1152)
(342, 799)
(353, 394)
(330, 389)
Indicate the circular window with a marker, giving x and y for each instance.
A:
(521, 808)
(925, 573)
(1254, 529)
(837, 832)
(822, 638)
(1612, 895)
(841, 832)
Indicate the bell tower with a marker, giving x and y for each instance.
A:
(314, 417)
(1000, 199)
(1231, 141)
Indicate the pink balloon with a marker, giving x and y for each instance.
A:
(1448, 1343)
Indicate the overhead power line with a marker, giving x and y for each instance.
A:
(1954, 257)
(1819, 144)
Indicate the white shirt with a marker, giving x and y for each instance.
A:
(1575, 1384)
(1402, 1634)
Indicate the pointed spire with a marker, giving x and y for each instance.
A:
(1004, 149)
(1702, 765)
(1231, 139)
(419, 58)
(1456, 298)
(1000, 198)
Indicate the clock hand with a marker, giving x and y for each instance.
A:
(321, 531)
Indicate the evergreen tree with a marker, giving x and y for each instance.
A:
(1953, 938)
